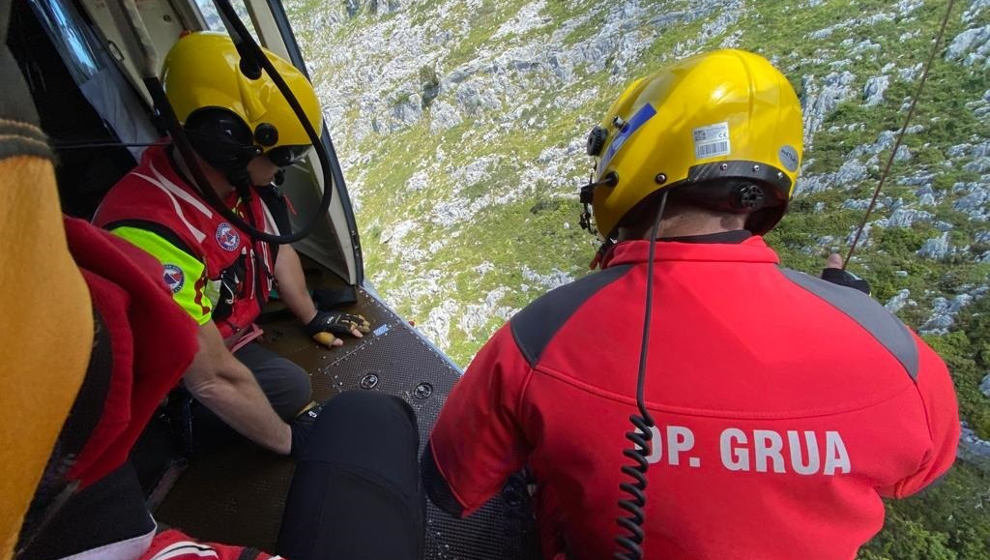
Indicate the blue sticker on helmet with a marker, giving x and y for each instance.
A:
(644, 114)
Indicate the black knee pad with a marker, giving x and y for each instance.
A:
(366, 420)
(370, 404)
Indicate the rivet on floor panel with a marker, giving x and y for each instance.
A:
(423, 391)
(369, 381)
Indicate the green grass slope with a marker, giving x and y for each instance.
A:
(461, 126)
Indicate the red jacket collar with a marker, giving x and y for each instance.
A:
(753, 250)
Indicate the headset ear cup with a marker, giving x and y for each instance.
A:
(266, 134)
(747, 196)
(221, 138)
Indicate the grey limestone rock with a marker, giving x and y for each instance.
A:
(974, 9)
(443, 116)
(860, 204)
(985, 385)
(865, 46)
(937, 248)
(864, 239)
(970, 47)
(976, 202)
(978, 165)
(813, 183)
(979, 150)
(944, 313)
(898, 302)
(974, 450)
(907, 7)
(850, 172)
(874, 89)
(906, 217)
(910, 73)
(958, 150)
(923, 178)
(820, 99)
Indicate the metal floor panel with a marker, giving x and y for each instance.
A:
(237, 494)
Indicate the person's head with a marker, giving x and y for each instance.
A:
(719, 134)
(241, 126)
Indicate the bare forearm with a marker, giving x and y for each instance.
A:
(292, 284)
(238, 400)
(228, 388)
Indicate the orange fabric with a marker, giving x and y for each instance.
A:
(45, 335)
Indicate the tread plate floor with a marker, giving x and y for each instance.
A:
(236, 493)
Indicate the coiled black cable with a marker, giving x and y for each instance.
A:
(631, 539)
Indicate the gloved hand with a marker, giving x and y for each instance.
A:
(833, 273)
(302, 426)
(326, 326)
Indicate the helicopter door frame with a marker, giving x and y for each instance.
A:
(272, 24)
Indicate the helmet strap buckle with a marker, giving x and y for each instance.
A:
(588, 195)
(585, 220)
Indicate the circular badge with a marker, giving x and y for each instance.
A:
(174, 278)
(227, 237)
(788, 156)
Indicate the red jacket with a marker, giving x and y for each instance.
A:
(174, 545)
(136, 311)
(786, 407)
(154, 196)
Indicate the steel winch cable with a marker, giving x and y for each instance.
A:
(900, 135)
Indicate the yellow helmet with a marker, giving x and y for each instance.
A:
(726, 122)
(229, 116)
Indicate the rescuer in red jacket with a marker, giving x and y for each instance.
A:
(785, 406)
(244, 131)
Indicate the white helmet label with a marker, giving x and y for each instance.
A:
(711, 141)
(788, 156)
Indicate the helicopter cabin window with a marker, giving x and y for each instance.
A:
(74, 46)
(215, 23)
(91, 113)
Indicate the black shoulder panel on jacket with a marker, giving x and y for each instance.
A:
(535, 326)
(436, 486)
(873, 317)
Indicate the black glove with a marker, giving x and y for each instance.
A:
(337, 323)
(845, 278)
(302, 427)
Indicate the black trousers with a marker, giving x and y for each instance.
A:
(286, 385)
(356, 492)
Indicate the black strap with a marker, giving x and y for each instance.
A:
(731, 237)
(249, 553)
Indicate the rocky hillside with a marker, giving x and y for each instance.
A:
(461, 127)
